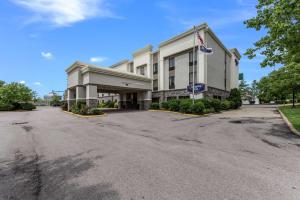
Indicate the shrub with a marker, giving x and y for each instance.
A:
(197, 107)
(165, 105)
(27, 106)
(225, 105)
(110, 104)
(116, 104)
(94, 111)
(209, 110)
(174, 105)
(154, 106)
(6, 107)
(216, 104)
(206, 102)
(77, 108)
(64, 105)
(102, 105)
(185, 105)
(235, 96)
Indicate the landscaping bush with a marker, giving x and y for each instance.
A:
(110, 104)
(81, 109)
(208, 110)
(6, 107)
(235, 97)
(216, 104)
(78, 108)
(165, 105)
(27, 106)
(197, 108)
(64, 105)
(154, 106)
(225, 105)
(94, 111)
(185, 105)
(206, 102)
(174, 105)
(116, 104)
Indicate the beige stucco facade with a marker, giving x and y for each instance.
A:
(148, 75)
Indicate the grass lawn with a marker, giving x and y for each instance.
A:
(293, 114)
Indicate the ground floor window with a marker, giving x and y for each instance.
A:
(184, 97)
(172, 82)
(171, 98)
(155, 99)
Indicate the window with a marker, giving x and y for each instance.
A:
(236, 62)
(141, 70)
(171, 64)
(155, 68)
(171, 82)
(155, 85)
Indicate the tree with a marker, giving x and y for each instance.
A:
(243, 87)
(15, 93)
(281, 84)
(55, 100)
(2, 83)
(253, 90)
(280, 18)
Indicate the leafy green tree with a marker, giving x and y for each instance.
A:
(244, 89)
(15, 93)
(2, 83)
(253, 90)
(281, 84)
(55, 100)
(281, 44)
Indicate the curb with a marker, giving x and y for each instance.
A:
(288, 123)
(84, 116)
(185, 114)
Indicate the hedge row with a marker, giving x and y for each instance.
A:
(201, 106)
(16, 106)
(82, 109)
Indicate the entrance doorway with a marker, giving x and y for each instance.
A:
(131, 101)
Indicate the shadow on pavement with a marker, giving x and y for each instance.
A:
(30, 177)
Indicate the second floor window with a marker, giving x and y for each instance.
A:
(172, 82)
(141, 70)
(155, 68)
(171, 64)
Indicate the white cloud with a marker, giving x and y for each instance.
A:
(22, 82)
(216, 18)
(37, 83)
(98, 59)
(65, 12)
(47, 55)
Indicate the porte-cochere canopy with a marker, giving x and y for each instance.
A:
(85, 81)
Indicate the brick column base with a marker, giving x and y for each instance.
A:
(92, 103)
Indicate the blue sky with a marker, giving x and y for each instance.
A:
(39, 39)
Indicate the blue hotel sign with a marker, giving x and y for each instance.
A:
(198, 88)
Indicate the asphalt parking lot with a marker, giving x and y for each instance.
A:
(236, 155)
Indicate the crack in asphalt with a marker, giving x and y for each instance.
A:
(271, 143)
(189, 140)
